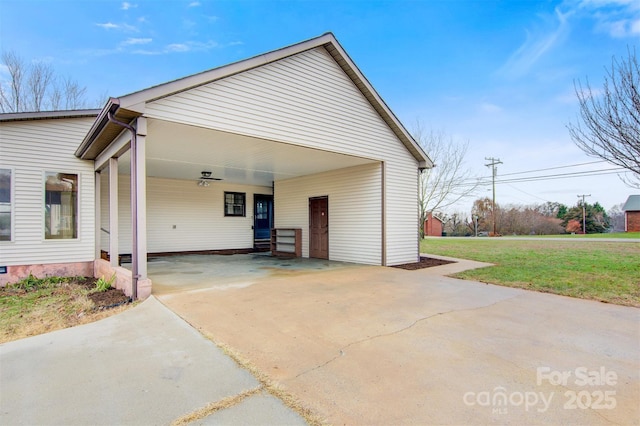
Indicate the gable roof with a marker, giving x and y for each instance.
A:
(632, 204)
(130, 106)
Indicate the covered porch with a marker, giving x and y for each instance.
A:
(179, 166)
(151, 198)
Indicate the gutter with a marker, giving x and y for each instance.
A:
(113, 104)
(134, 194)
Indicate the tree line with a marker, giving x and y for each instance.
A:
(36, 86)
(540, 219)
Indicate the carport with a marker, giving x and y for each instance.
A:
(179, 212)
(292, 139)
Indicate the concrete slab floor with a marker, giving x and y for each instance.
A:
(375, 345)
(192, 272)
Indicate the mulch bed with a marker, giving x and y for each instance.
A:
(109, 299)
(104, 299)
(425, 262)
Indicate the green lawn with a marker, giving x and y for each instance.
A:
(617, 235)
(605, 271)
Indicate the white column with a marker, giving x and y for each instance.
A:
(113, 212)
(141, 190)
(97, 231)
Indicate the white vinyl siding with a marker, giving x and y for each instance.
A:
(354, 211)
(31, 148)
(197, 213)
(308, 100)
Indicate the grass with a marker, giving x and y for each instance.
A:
(616, 235)
(35, 306)
(604, 271)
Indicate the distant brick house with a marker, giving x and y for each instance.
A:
(632, 214)
(433, 226)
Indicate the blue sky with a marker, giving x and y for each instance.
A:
(498, 74)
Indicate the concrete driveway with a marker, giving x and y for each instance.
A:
(145, 366)
(375, 345)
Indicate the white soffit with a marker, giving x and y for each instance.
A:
(178, 151)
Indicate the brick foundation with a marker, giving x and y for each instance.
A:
(98, 268)
(17, 273)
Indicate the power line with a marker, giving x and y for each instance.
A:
(563, 175)
(555, 168)
(485, 180)
(525, 192)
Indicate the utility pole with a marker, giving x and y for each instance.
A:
(493, 162)
(475, 217)
(584, 213)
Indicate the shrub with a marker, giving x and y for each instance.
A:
(32, 282)
(104, 285)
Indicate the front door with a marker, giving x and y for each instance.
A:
(262, 216)
(319, 227)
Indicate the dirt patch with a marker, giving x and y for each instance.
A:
(35, 306)
(108, 299)
(425, 262)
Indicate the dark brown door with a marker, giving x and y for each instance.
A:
(319, 227)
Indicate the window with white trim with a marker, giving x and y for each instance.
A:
(5, 205)
(60, 205)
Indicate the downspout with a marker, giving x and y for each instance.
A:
(134, 205)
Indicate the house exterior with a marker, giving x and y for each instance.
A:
(46, 195)
(433, 226)
(296, 138)
(631, 210)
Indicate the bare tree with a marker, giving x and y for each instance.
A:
(610, 126)
(11, 97)
(74, 94)
(449, 181)
(36, 87)
(616, 218)
(38, 82)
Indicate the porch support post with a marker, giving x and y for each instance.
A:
(383, 214)
(139, 192)
(97, 230)
(114, 252)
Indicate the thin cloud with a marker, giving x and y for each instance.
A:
(616, 18)
(122, 27)
(136, 41)
(108, 26)
(191, 46)
(185, 47)
(621, 28)
(127, 5)
(537, 44)
(177, 47)
(194, 4)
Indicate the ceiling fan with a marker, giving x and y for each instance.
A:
(206, 178)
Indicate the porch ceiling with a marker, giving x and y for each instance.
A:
(178, 151)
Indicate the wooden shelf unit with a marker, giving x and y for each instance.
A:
(286, 242)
